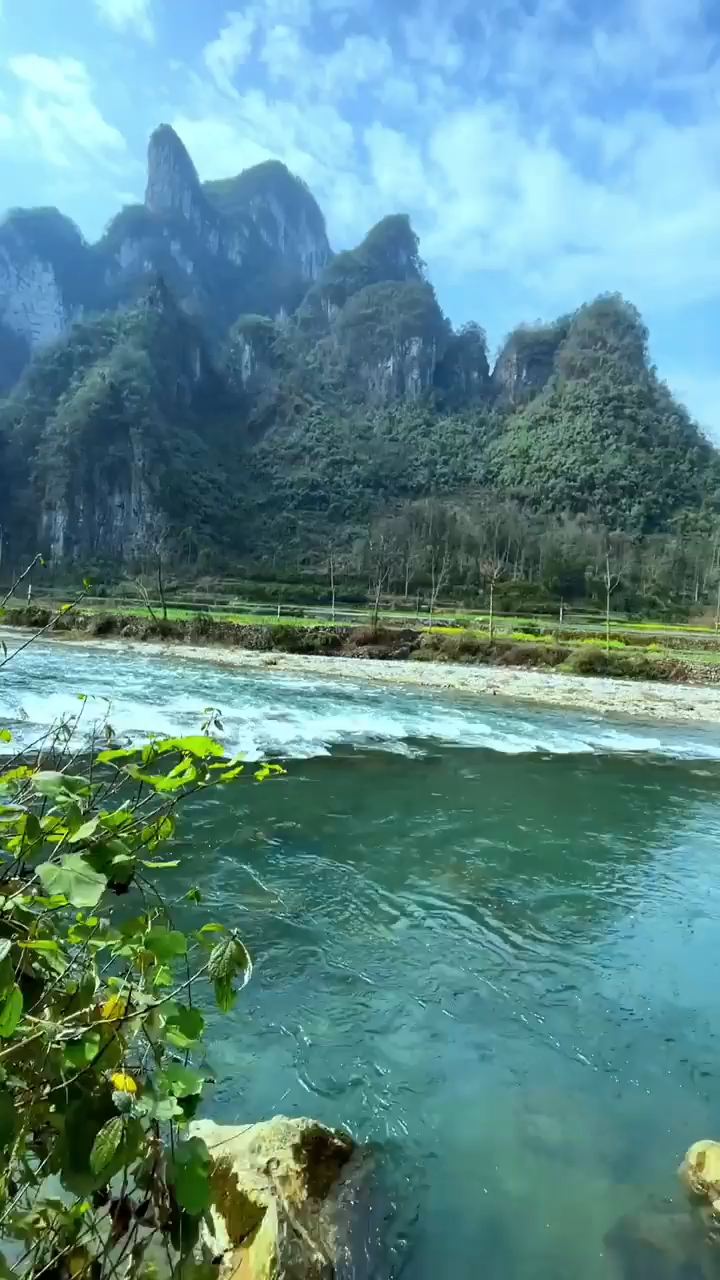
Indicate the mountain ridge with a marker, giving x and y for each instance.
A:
(275, 374)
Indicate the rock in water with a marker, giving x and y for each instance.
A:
(276, 1188)
(700, 1170)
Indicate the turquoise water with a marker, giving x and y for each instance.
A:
(485, 938)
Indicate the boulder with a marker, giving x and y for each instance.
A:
(276, 1191)
(700, 1170)
(700, 1174)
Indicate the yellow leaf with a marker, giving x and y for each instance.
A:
(114, 1007)
(123, 1083)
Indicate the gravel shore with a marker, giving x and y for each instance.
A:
(646, 699)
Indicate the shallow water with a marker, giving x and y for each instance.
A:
(485, 939)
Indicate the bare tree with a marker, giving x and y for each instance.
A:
(439, 568)
(611, 579)
(380, 557)
(331, 571)
(139, 584)
(159, 550)
(492, 567)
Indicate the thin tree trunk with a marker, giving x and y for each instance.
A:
(717, 610)
(332, 585)
(491, 619)
(161, 586)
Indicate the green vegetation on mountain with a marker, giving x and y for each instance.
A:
(264, 401)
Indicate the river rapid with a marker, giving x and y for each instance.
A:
(485, 940)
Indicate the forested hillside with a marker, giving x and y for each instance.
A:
(337, 416)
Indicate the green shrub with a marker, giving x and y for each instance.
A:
(533, 655)
(100, 1009)
(590, 661)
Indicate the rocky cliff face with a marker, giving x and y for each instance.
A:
(45, 280)
(254, 243)
(120, 423)
(526, 362)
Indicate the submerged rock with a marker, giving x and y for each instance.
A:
(277, 1189)
(700, 1174)
(659, 1244)
(700, 1170)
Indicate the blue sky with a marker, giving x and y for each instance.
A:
(547, 150)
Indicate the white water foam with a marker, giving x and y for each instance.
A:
(273, 715)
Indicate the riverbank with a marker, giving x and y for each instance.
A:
(646, 700)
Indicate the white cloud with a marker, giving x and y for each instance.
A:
(231, 48)
(397, 169)
(283, 52)
(57, 112)
(430, 35)
(128, 15)
(359, 61)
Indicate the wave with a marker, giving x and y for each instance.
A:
(273, 715)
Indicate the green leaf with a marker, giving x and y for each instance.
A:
(162, 1109)
(161, 782)
(80, 1053)
(5, 735)
(21, 774)
(6, 1272)
(84, 832)
(268, 771)
(180, 1081)
(56, 785)
(106, 1144)
(11, 1012)
(166, 944)
(162, 977)
(191, 1168)
(184, 1027)
(199, 746)
(5, 945)
(117, 753)
(156, 832)
(73, 876)
(229, 959)
(231, 774)
(160, 866)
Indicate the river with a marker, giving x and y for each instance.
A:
(485, 940)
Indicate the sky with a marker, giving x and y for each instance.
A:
(546, 150)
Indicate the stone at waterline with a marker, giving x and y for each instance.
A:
(276, 1189)
(700, 1170)
(700, 1174)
